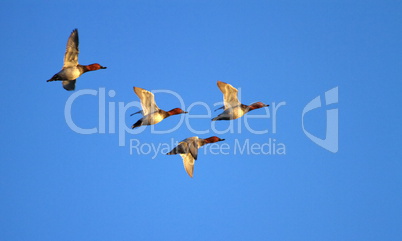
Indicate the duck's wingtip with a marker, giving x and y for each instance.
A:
(135, 88)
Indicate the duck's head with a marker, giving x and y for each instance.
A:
(213, 139)
(95, 66)
(176, 111)
(257, 105)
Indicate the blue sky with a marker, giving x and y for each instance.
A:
(57, 184)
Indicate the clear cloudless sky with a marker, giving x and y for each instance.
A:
(57, 184)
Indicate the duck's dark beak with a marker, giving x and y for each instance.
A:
(184, 112)
(221, 139)
(102, 67)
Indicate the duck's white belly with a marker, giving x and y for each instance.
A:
(236, 112)
(70, 73)
(153, 118)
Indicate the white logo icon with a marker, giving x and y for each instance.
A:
(331, 138)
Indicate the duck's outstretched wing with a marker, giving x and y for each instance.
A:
(188, 150)
(188, 162)
(147, 100)
(229, 95)
(138, 112)
(71, 55)
(69, 84)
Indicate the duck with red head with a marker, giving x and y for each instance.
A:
(233, 109)
(151, 112)
(188, 150)
(71, 69)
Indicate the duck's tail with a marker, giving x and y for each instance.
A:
(55, 77)
(137, 124)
